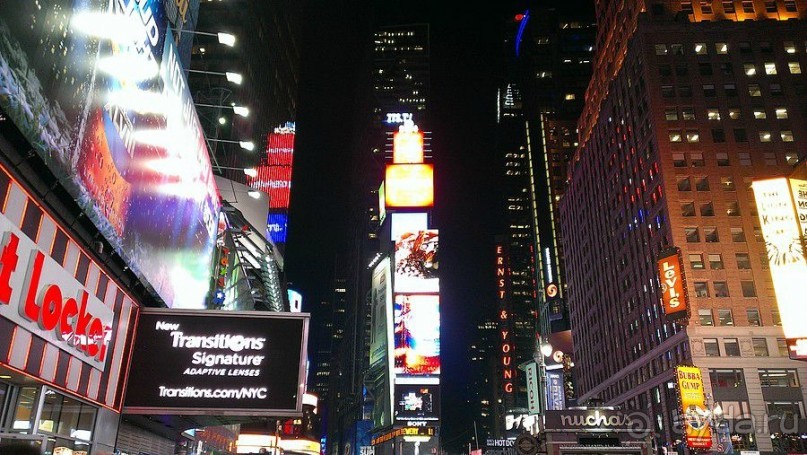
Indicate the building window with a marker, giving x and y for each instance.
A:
(749, 290)
(702, 183)
(726, 69)
(727, 183)
(569, 97)
(671, 113)
(722, 158)
(709, 90)
(684, 184)
(753, 317)
(770, 6)
(679, 160)
(721, 289)
(748, 6)
(763, 260)
(778, 378)
(727, 378)
(745, 158)
(676, 49)
(701, 49)
(770, 158)
(713, 114)
(764, 136)
(790, 47)
(745, 47)
(705, 316)
(675, 136)
(688, 113)
(732, 347)
(730, 89)
(702, 290)
(734, 113)
(705, 69)
(781, 346)
(697, 159)
(722, 48)
(743, 261)
(754, 90)
(790, 6)
(770, 68)
(760, 347)
(758, 234)
(787, 136)
(785, 409)
(749, 69)
(696, 261)
(706, 7)
(718, 135)
(685, 91)
(710, 234)
(777, 320)
(791, 159)
(733, 208)
(737, 234)
(661, 49)
(687, 209)
(724, 317)
(760, 114)
(711, 347)
(692, 234)
(707, 209)
(693, 136)
(776, 89)
(781, 112)
(686, 7)
(728, 6)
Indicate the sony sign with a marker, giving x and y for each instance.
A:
(38, 294)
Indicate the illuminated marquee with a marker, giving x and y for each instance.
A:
(505, 335)
(673, 284)
(405, 431)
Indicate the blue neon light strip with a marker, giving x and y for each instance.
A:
(521, 28)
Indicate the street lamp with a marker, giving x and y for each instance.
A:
(246, 145)
(238, 110)
(227, 39)
(235, 78)
(250, 171)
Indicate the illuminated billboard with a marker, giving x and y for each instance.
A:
(407, 147)
(276, 227)
(220, 362)
(781, 229)
(673, 284)
(273, 173)
(696, 415)
(416, 322)
(417, 262)
(409, 185)
(100, 94)
(417, 402)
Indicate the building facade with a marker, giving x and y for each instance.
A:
(676, 127)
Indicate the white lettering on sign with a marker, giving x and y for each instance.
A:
(41, 296)
(595, 420)
(194, 392)
(670, 280)
(395, 118)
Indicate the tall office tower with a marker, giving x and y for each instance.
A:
(401, 70)
(484, 365)
(688, 105)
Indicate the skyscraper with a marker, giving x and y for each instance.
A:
(688, 104)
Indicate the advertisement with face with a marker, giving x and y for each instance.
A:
(417, 262)
(417, 402)
(416, 320)
(97, 89)
(226, 362)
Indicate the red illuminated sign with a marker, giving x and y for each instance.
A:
(673, 285)
(505, 336)
(273, 174)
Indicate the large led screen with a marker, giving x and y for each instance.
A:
(221, 362)
(97, 89)
(416, 325)
(409, 185)
(274, 171)
(417, 262)
(276, 227)
(417, 402)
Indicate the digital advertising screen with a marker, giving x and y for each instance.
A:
(222, 362)
(276, 227)
(417, 262)
(97, 89)
(417, 402)
(273, 174)
(416, 333)
(409, 185)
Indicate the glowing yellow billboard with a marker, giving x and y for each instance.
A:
(695, 414)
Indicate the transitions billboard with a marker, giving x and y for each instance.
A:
(416, 320)
(98, 91)
(227, 363)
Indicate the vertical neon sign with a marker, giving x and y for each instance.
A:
(505, 333)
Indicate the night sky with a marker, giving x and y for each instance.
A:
(465, 48)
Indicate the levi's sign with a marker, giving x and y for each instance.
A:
(39, 295)
(673, 287)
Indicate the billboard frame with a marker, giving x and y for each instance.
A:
(304, 317)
